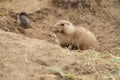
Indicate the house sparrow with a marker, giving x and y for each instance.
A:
(23, 21)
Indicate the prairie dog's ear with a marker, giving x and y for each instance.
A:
(68, 23)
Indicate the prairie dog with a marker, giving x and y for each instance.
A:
(77, 37)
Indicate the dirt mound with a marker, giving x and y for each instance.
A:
(23, 58)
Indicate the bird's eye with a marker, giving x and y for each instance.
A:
(62, 24)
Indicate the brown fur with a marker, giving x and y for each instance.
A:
(77, 37)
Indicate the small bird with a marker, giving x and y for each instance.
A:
(23, 20)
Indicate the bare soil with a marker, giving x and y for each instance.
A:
(32, 54)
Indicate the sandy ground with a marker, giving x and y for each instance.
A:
(104, 23)
(32, 54)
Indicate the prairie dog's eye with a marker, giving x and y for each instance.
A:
(62, 24)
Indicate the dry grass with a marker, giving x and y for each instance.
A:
(66, 75)
(94, 59)
(105, 57)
